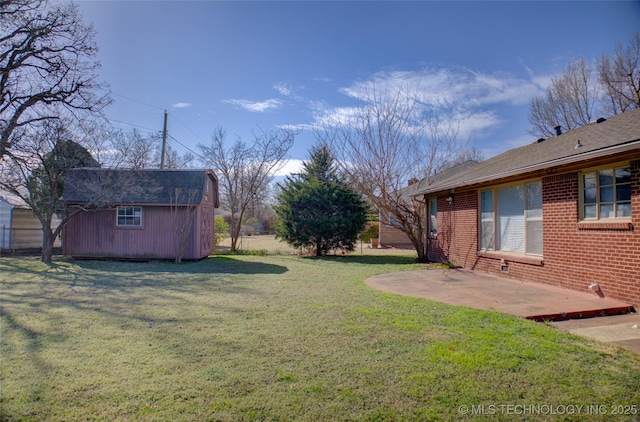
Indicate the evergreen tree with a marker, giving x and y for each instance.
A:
(318, 211)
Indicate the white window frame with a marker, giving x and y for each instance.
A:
(433, 216)
(615, 201)
(129, 216)
(489, 218)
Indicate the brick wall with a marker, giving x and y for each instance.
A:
(457, 239)
(575, 254)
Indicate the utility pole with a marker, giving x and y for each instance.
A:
(164, 140)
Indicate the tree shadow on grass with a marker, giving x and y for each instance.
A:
(211, 265)
(372, 260)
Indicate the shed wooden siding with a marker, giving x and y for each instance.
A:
(95, 234)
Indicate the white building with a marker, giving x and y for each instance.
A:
(19, 227)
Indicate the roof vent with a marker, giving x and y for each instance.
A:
(541, 140)
(558, 130)
(578, 144)
(601, 119)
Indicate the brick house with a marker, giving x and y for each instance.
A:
(562, 211)
(140, 214)
(390, 235)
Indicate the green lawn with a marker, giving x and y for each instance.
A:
(282, 338)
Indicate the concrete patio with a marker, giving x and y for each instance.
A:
(583, 313)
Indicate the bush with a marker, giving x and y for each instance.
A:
(253, 252)
(221, 230)
(371, 231)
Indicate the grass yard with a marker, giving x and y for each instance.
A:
(282, 338)
(274, 246)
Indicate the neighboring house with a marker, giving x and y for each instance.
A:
(19, 227)
(390, 235)
(140, 214)
(563, 211)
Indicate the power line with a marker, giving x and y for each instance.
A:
(173, 117)
(138, 101)
(131, 124)
(187, 148)
(188, 128)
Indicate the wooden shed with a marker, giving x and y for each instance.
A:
(19, 228)
(140, 214)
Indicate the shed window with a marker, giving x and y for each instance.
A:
(129, 217)
(511, 219)
(605, 194)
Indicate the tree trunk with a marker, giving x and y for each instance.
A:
(235, 234)
(423, 255)
(47, 245)
(419, 245)
(236, 226)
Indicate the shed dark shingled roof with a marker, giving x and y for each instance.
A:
(595, 140)
(135, 186)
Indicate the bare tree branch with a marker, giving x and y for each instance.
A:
(387, 141)
(620, 76)
(47, 59)
(572, 101)
(245, 171)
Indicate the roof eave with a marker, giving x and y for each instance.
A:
(600, 153)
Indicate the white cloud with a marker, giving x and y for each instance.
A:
(290, 167)
(447, 87)
(181, 105)
(323, 79)
(284, 88)
(287, 90)
(471, 124)
(453, 96)
(256, 106)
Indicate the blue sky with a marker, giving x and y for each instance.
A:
(247, 66)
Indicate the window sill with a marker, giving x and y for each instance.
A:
(513, 257)
(605, 225)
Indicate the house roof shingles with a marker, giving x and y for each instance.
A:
(135, 186)
(596, 139)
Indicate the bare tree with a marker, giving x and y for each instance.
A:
(183, 211)
(47, 60)
(387, 141)
(245, 171)
(588, 90)
(620, 76)
(35, 172)
(134, 150)
(175, 160)
(571, 101)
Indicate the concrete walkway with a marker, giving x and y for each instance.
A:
(582, 313)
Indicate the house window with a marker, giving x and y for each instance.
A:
(129, 217)
(606, 194)
(433, 216)
(487, 225)
(511, 219)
